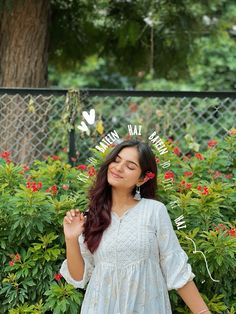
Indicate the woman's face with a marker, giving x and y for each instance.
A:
(125, 171)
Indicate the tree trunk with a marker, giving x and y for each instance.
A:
(24, 44)
(24, 31)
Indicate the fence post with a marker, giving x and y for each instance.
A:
(72, 106)
(72, 147)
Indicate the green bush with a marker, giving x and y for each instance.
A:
(34, 201)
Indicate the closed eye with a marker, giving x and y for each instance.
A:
(130, 168)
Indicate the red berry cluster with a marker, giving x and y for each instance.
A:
(34, 186)
(6, 156)
(57, 277)
(203, 189)
(53, 190)
(90, 170)
(229, 232)
(15, 258)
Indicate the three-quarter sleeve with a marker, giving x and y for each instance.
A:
(88, 266)
(173, 259)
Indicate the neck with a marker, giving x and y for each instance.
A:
(120, 198)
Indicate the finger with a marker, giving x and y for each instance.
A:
(73, 213)
(67, 220)
(77, 212)
(82, 217)
(69, 215)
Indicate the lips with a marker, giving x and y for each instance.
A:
(115, 175)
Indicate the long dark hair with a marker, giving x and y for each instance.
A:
(100, 200)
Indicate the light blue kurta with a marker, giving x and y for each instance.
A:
(138, 260)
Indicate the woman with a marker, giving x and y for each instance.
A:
(127, 251)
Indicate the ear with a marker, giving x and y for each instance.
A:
(143, 180)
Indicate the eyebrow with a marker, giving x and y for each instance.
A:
(128, 160)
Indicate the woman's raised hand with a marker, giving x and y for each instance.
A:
(73, 224)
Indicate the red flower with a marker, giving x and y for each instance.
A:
(11, 263)
(157, 160)
(199, 156)
(65, 187)
(188, 185)
(211, 143)
(229, 176)
(81, 167)
(91, 171)
(232, 232)
(17, 257)
(177, 151)
(54, 157)
(53, 190)
(220, 227)
(5, 155)
(150, 175)
(188, 173)
(169, 175)
(34, 186)
(57, 277)
(205, 191)
(217, 174)
(26, 168)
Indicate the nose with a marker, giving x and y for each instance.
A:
(119, 166)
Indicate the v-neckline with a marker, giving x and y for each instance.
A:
(127, 210)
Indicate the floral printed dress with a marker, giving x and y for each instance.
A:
(138, 260)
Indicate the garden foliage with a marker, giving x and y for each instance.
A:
(33, 202)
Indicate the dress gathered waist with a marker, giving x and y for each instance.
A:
(126, 265)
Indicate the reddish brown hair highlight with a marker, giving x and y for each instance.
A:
(100, 202)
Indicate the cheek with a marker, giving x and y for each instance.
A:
(111, 165)
(134, 175)
(109, 168)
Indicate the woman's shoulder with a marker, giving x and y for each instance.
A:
(158, 213)
(153, 203)
(153, 207)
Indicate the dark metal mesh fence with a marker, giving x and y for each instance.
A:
(35, 123)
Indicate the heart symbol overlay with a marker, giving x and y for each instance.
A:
(89, 117)
(83, 127)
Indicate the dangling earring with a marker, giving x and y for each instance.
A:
(137, 195)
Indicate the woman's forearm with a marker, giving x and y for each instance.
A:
(75, 260)
(192, 298)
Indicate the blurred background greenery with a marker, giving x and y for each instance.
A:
(126, 44)
(148, 45)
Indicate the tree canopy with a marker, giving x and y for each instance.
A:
(165, 38)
